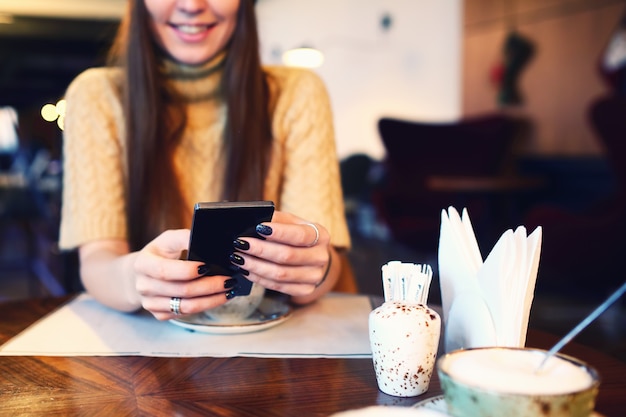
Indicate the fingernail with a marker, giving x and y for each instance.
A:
(203, 269)
(243, 271)
(231, 294)
(263, 229)
(241, 244)
(230, 283)
(237, 259)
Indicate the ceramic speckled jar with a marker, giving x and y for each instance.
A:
(404, 338)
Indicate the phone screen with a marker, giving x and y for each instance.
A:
(216, 225)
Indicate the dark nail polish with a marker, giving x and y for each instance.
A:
(230, 283)
(241, 244)
(237, 259)
(243, 271)
(263, 229)
(231, 294)
(243, 287)
(203, 269)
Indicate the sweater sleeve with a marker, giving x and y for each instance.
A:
(93, 201)
(311, 183)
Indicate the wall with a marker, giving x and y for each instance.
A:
(561, 80)
(434, 62)
(412, 70)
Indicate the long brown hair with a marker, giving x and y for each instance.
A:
(155, 120)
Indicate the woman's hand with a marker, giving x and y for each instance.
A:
(150, 278)
(295, 257)
(160, 275)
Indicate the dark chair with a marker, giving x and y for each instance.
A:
(29, 224)
(584, 252)
(356, 176)
(415, 152)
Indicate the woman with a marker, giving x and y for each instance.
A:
(184, 114)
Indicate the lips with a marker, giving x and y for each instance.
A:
(191, 29)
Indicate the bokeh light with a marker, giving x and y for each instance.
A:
(54, 112)
(303, 57)
(49, 112)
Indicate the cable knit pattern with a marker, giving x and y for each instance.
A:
(303, 178)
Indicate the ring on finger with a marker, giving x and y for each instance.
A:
(317, 234)
(175, 305)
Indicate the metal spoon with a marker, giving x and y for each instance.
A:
(584, 323)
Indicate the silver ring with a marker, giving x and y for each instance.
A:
(317, 234)
(175, 305)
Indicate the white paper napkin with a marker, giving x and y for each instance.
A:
(485, 303)
(334, 326)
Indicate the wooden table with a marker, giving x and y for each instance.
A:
(120, 386)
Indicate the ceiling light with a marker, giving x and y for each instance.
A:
(303, 57)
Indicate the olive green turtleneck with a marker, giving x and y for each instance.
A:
(195, 82)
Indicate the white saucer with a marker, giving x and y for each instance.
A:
(271, 312)
(436, 403)
(389, 411)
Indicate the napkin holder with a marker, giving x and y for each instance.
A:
(485, 303)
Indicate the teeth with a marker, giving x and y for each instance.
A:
(190, 29)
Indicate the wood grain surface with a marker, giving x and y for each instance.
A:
(145, 386)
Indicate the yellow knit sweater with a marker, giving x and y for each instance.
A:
(303, 178)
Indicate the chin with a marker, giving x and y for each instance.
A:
(192, 56)
(192, 59)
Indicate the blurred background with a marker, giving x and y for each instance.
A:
(512, 109)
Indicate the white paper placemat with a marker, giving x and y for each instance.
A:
(334, 326)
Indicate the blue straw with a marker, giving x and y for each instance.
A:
(584, 323)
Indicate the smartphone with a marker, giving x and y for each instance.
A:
(216, 225)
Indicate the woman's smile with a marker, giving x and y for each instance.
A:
(193, 31)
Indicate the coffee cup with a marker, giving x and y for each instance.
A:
(510, 382)
(238, 308)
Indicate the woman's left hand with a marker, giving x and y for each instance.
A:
(293, 256)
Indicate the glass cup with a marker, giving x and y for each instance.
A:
(238, 308)
(506, 382)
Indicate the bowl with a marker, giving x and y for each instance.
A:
(238, 308)
(507, 381)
